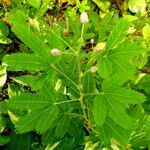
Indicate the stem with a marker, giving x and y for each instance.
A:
(85, 73)
(77, 115)
(69, 101)
(81, 40)
(80, 87)
(92, 94)
(82, 31)
(66, 53)
(94, 131)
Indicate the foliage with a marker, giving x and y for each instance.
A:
(74, 85)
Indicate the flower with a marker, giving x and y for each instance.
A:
(84, 18)
(92, 41)
(93, 69)
(55, 52)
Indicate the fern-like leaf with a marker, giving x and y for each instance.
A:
(125, 96)
(119, 61)
(118, 34)
(22, 61)
(35, 82)
(112, 131)
(29, 101)
(105, 67)
(116, 101)
(39, 120)
(62, 125)
(41, 108)
(26, 34)
(99, 110)
(117, 112)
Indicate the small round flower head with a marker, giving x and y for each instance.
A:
(92, 41)
(93, 69)
(84, 18)
(55, 52)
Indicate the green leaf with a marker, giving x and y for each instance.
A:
(22, 61)
(47, 118)
(4, 140)
(123, 67)
(52, 147)
(88, 83)
(116, 101)
(144, 84)
(113, 81)
(39, 120)
(14, 90)
(99, 110)
(146, 33)
(25, 33)
(5, 40)
(110, 131)
(29, 101)
(125, 96)
(125, 50)
(67, 70)
(43, 98)
(105, 67)
(118, 114)
(118, 62)
(34, 3)
(40, 106)
(35, 82)
(18, 142)
(4, 30)
(94, 19)
(46, 4)
(118, 34)
(3, 75)
(55, 39)
(2, 124)
(62, 125)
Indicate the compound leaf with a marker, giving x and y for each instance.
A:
(118, 34)
(99, 110)
(23, 61)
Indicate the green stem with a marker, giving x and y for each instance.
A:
(77, 115)
(68, 101)
(80, 88)
(66, 53)
(82, 32)
(81, 40)
(92, 94)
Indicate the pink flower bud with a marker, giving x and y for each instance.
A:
(93, 69)
(55, 52)
(84, 18)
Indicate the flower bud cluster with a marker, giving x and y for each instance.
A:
(93, 69)
(55, 52)
(84, 18)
